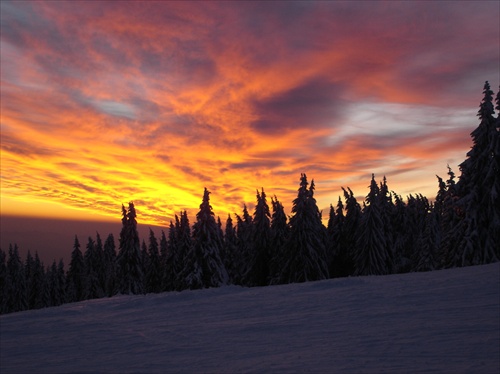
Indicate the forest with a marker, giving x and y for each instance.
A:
(384, 234)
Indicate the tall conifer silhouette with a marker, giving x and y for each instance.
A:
(129, 264)
(306, 257)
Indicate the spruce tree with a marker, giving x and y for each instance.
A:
(231, 251)
(425, 258)
(350, 229)
(99, 263)
(306, 260)
(129, 264)
(39, 295)
(244, 231)
(92, 261)
(154, 274)
(204, 265)
(372, 256)
(163, 261)
(259, 256)
(29, 269)
(478, 189)
(3, 282)
(109, 264)
(75, 282)
(170, 256)
(16, 282)
(341, 263)
(399, 223)
(280, 232)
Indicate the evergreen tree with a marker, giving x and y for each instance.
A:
(171, 274)
(145, 264)
(259, 256)
(3, 282)
(306, 260)
(129, 264)
(428, 244)
(350, 229)
(56, 284)
(75, 281)
(163, 261)
(204, 265)
(451, 225)
(39, 295)
(399, 223)
(99, 265)
(386, 211)
(29, 269)
(340, 257)
(244, 231)
(154, 274)
(16, 282)
(372, 256)
(231, 251)
(280, 232)
(109, 264)
(93, 288)
(477, 190)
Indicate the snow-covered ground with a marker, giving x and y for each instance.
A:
(446, 321)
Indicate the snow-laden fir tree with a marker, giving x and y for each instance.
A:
(451, 225)
(280, 232)
(75, 279)
(231, 251)
(99, 263)
(93, 267)
(350, 228)
(109, 260)
(259, 256)
(478, 188)
(39, 295)
(244, 232)
(372, 256)
(29, 267)
(169, 253)
(3, 281)
(145, 263)
(163, 260)
(179, 245)
(154, 274)
(16, 282)
(204, 265)
(185, 241)
(341, 263)
(425, 257)
(386, 211)
(129, 264)
(401, 260)
(56, 284)
(306, 249)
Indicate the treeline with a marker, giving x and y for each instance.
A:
(384, 234)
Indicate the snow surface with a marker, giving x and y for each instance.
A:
(445, 321)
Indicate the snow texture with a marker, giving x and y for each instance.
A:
(443, 321)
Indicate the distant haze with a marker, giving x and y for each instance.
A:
(54, 238)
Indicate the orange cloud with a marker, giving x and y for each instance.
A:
(152, 102)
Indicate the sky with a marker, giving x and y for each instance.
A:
(103, 103)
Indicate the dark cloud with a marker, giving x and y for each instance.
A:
(316, 103)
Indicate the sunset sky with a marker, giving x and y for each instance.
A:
(103, 103)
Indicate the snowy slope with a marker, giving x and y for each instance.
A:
(445, 321)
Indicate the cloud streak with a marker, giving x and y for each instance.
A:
(152, 102)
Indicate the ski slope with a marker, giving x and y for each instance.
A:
(445, 321)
